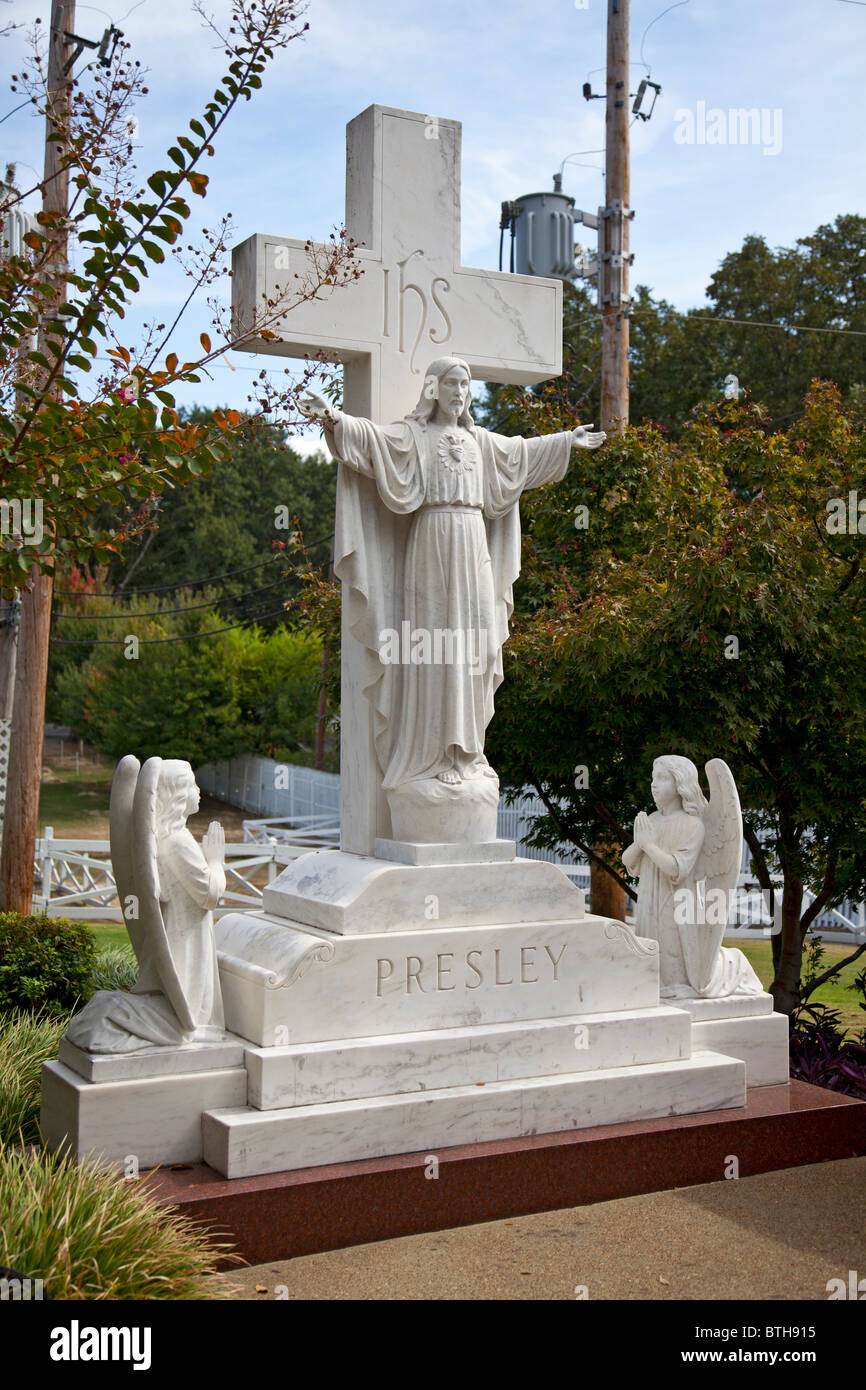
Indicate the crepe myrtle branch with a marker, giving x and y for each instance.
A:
(590, 853)
(118, 248)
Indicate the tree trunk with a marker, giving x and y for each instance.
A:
(785, 988)
(607, 897)
(28, 715)
(25, 755)
(8, 655)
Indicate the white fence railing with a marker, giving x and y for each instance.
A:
(76, 878)
(272, 789)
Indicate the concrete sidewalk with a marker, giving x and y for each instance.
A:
(778, 1235)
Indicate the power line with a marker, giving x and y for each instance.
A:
(677, 6)
(166, 588)
(760, 323)
(25, 102)
(168, 612)
(185, 583)
(153, 641)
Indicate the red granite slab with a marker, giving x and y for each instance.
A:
(282, 1215)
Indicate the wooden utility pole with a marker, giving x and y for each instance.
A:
(608, 898)
(28, 718)
(614, 267)
(8, 655)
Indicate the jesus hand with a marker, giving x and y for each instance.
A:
(584, 438)
(315, 407)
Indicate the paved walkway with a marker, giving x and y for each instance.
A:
(775, 1236)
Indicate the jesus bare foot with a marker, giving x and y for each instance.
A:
(450, 778)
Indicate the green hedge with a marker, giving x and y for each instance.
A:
(45, 963)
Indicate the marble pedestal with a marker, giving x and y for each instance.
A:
(146, 1106)
(393, 1005)
(381, 1006)
(743, 1026)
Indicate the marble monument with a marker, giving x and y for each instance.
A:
(422, 986)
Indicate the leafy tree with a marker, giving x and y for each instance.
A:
(250, 504)
(82, 454)
(189, 689)
(621, 642)
(79, 454)
(816, 289)
(680, 358)
(240, 521)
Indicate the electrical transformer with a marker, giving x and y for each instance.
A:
(544, 235)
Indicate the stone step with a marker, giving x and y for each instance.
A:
(354, 893)
(759, 1040)
(242, 1142)
(314, 1073)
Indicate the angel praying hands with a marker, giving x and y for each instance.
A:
(685, 843)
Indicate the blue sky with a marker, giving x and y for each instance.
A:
(512, 73)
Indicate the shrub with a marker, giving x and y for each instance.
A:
(243, 690)
(88, 1234)
(26, 1041)
(116, 968)
(823, 1055)
(45, 962)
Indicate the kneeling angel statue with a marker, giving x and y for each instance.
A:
(687, 857)
(168, 886)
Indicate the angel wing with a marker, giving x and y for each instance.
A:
(157, 963)
(120, 832)
(719, 865)
(722, 851)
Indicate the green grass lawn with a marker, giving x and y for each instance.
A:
(109, 934)
(836, 993)
(75, 803)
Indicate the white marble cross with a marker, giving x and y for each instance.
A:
(413, 302)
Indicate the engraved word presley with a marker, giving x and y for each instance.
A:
(445, 971)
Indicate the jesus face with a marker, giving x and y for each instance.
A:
(454, 391)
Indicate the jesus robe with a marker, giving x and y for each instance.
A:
(430, 536)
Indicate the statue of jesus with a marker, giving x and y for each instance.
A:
(428, 549)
